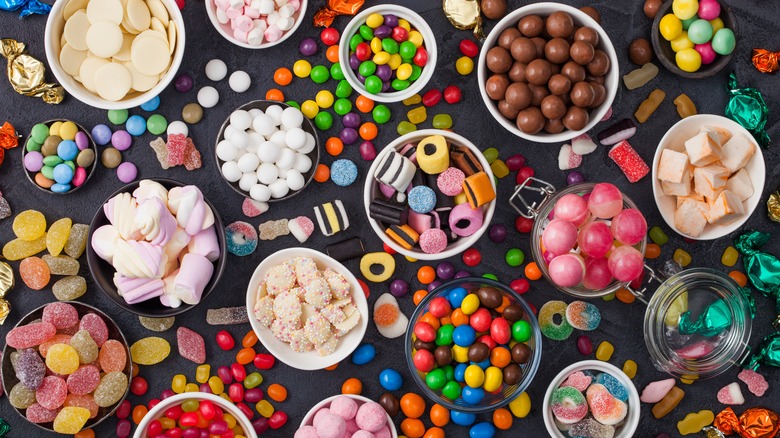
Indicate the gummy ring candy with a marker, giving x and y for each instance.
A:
(241, 238)
(381, 259)
(548, 326)
(583, 316)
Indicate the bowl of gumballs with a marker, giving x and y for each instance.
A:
(390, 51)
(694, 39)
(185, 411)
(348, 414)
(484, 357)
(59, 156)
(430, 194)
(306, 308)
(113, 54)
(267, 151)
(548, 72)
(591, 398)
(256, 25)
(66, 367)
(157, 247)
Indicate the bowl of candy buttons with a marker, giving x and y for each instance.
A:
(184, 412)
(694, 39)
(591, 398)
(388, 53)
(350, 413)
(430, 194)
(66, 367)
(249, 25)
(492, 328)
(59, 156)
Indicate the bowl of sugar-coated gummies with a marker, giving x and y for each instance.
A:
(257, 25)
(349, 414)
(458, 368)
(591, 397)
(66, 367)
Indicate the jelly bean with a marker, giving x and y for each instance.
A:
(652, 251)
(630, 368)
(216, 385)
(245, 356)
(202, 373)
(604, 351)
(658, 236)
(235, 392)
(277, 420)
(139, 412)
(238, 372)
(139, 386)
(442, 121)
(624, 295)
(417, 115)
(468, 48)
(265, 408)
(682, 257)
(584, 345)
(431, 98)
(178, 383)
(452, 94)
(739, 277)
(729, 257)
(253, 380)
(521, 406)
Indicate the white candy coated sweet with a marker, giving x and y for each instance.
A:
(273, 33)
(265, 6)
(255, 140)
(240, 119)
(226, 151)
(240, 139)
(286, 159)
(295, 138)
(278, 137)
(230, 171)
(254, 112)
(229, 130)
(295, 180)
(248, 163)
(247, 181)
(267, 172)
(269, 152)
(285, 23)
(252, 148)
(286, 11)
(256, 36)
(239, 81)
(216, 69)
(178, 127)
(310, 144)
(302, 163)
(208, 97)
(279, 188)
(272, 18)
(263, 124)
(236, 4)
(291, 118)
(275, 113)
(260, 193)
(222, 16)
(283, 173)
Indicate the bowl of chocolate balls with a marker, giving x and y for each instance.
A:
(548, 72)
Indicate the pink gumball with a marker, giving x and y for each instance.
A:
(707, 53)
(605, 201)
(548, 256)
(572, 208)
(709, 9)
(559, 237)
(626, 263)
(597, 275)
(629, 226)
(567, 270)
(595, 239)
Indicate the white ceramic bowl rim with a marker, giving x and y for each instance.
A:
(634, 408)
(309, 417)
(370, 184)
(78, 90)
(429, 41)
(756, 168)
(299, 16)
(309, 360)
(545, 8)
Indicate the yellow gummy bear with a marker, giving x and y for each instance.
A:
(62, 359)
(18, 249)
(694, 422)
(150, 351)
(58, 235)
(71, 419)
(29, 225)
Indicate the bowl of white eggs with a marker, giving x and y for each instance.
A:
(267, 151)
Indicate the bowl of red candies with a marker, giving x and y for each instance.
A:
(589, 240)
(388, 53)
(66, 367)
(195, 414)
(484, 357)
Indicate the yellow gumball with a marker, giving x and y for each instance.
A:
(302, 68)
(685, 9)
(324, 99)
(405, 24)
(688, 60)
(310, 109)
(670, 27)
(464, 65)
(682, 42)
(717, 24)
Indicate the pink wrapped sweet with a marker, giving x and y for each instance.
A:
(559, 236)
(371, 417)
(194, 273)
(136, 290)
(331, 426)
(343, 406)
(567, 270)
(205, 244)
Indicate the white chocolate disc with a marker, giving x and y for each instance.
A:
(71, 59)
(63, 41)
(123, 54)
(76, 30)
(158, 10)
(138, 14)
(111, 10)
(127, 27)
(113, 81)
(171, 37)
(150, 54)
(104, 39)
(141, 82)
(72, 7)
(158, 26)
(87, 71)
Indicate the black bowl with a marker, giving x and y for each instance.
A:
(665, 54)
(9, 378)
(103, 272)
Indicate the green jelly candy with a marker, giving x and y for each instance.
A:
(444, 334)
(405, 128)
(62, 264)
(117, 117)
(39, 133)
(366, 32)
(69, 288)
(436, 379)
(373, 84)
(451, 390)
(77, 240)
(499, 169)
(416, 72)
(48, 172)
(156, 124)
(407, 50)
(491, 155)
(442, 121)
(658, 236)
(319, 74)
(521, 331)
(253, 380)
(32, 145)
(490, 276)
(336, 72)
(399, 85)
(367, 68)
(323, 120)
(110, 389)
(190, 405)
(609, 297)
(343, 89)
(86, 348)
(515, 257)
(381, 114)
(293, 104)
(52, 161)
(354, 41)
(342, 106)
(390, 46)
(21, 397)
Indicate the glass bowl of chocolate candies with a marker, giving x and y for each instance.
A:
(548, 72)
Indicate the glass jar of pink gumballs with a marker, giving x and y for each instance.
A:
(588, 239)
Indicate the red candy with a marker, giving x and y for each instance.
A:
(38, 414)
(500, 331)
(60, 315)
(123, 411)
(174, 413)
(472, 257)
(424, 332)
(245, 409)
(524, 225)
(264, 361)
(469, 48)
(329, 36)
(520, 285)
(188, 419)
(224, 374)
(423, 360)
(524, 173)
(420, 57)
(399, 34)
(487, 340)
(154, 429)
(584, 345)
(191, 345)
(96, 327)
(387, 249)
(363, 51)
(52, 392)
(139, 386)
(30, 335)
(439, 308)
(277, 420)
(84, 380)
(364, 286)
(452, 94)
(629, 161)
(480, 320)
(225, 340)
(124, 427)
(515, 162)
(207, 409)
(238, 372)
(236, 392)
(432, 97)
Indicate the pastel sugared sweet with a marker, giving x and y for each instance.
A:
(559, 237)
(52, 392)
(568, 405)
(605, 201)
(606, 408)
(150, 351)
(191, 345)
(613, 385)
(30, 335)
(578, 380)
(111, 389)
(85, 346)
(60, 315)
(547, 325)
(96, 327)
(30, 369)
(590, 428)
(629, 226)
(345, 407)
(329, 425)
(567, 270)
(371, 417)
(583, 316)
(756, 383)
(731, 394)
(70, 420)
(655, 391)
(625, 263)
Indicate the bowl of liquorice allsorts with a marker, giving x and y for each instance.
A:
(59, 156)
(591, 398)
(430, 194)
(388, 53)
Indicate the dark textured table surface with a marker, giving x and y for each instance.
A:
(621, 325)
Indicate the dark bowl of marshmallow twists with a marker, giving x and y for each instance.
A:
(157, 247)
(430, 194)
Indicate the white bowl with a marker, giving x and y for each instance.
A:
(581, 19)
(309, 418)
(54, 28)
(281, 350)
(226, 31)
(429, 42)
(228, 407)
(632, 419)
(674, 139)
(371, 187)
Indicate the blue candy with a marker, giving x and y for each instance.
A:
(241, 238)
(136, 125)
(462, 418)
(464, 335)
(613, 385)
(101, 134)
(422, 199)
(390, 379)
(456, 296)
(63, 173)
(460, 372)
(151, 104)
(472, 396)
(482, 430)
(67, 150)
(485, 364)
(343, 172)
(364, 354)
(60, 188)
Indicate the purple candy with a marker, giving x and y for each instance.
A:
(351, 120)
(399, 288)
(575, 177)
(515, 162)
(367, 150)
(383, 31)
(391, 20)
(193, 432)
(308, 47)
(204, 387)
(166, 394)
(253, 395)
(183, 83)
(101, 134)
(121, 140)
(123, 428)
(462, 274)
(348, 136)
(82, 141)
(445, 270)
(385, 86)
(361, 78)
(260, 425)
(33, 161)
(384, 72)
(354, 62)
(386, 190)
(497, 233)
(126, 172)
(433, 285)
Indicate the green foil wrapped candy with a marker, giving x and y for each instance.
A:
(762, 269)
(711, 322)
(767, 353)
(748, 108)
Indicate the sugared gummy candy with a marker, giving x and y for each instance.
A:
(86, 348)
(150, 351)
(62, 359)
(94, 324)
(52, 392)
(77, 240)
(111, 389)
(18, 249)
(30, 335)
(30, 368)
(112, 356)
(70, 420)
(69, 288)
(29, 225)
(58, 235)
(34, 272)
(60, 315)
(62, 264)
(84, 380)
(21, 397)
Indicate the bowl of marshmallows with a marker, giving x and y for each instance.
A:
(267, 151)
(258, 24)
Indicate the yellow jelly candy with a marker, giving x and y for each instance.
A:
(265, 408)
(302, 68)
(417, 115)
(191, 387)
(730, 256)
(62, 359)
(521, 406)
(70, 420)
(605, 350)
(405, 24)
(58, 235)
(150, 351)
(18, 249)
(682, 257)
(414, 99)
(230, 420)
(670, 27)
(324, 99)
(202, 373)
(499, 169)
(178, 383)
(678, 307)
(688, 60)
(68, 131)
(216, 385)
(464, 65)
(29, 225)
(695, 422)
(682, 42)
(629, 368)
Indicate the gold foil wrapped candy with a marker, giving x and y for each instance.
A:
(6, 284)
(464, 15)
(773, 205)
(28, 75)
